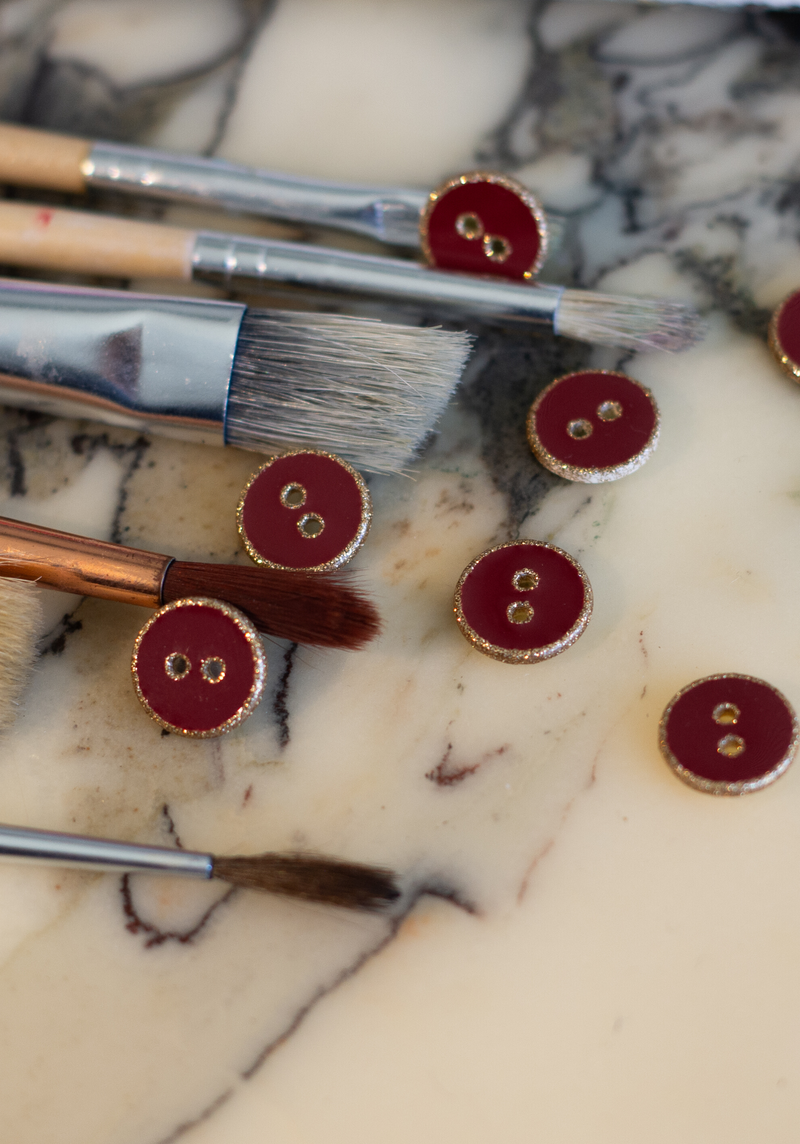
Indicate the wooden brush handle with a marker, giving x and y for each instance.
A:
(88, 243)
(42, 159)
(79, 564)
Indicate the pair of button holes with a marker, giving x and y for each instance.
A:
(310, 524)
(495, 247)
(580, 428)
(725, 715)
(521, 612)
(177, 666)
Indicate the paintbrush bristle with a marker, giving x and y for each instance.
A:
(20, 623)
(628, 322)
(370, 391)
(312, 877)
(299, 606)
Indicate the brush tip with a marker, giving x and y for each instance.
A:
(20, 623)
(304, 607)
(311, 877)
(633, 323)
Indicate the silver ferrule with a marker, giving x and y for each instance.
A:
(229, 260)
(55, 849)
(386, 214)
(143, 362)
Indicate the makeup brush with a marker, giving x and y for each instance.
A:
(221, 373)
(299, 606)
(20, 623)
(90, 243)
(308, 876)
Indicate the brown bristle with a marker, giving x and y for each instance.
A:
(311, 877)
(298, 606)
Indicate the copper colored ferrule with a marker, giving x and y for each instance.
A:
(81, 565)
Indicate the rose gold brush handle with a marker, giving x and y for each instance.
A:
(78, 564)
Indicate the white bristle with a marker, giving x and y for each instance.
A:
(627, 322)
(367, 390)
(20, 623)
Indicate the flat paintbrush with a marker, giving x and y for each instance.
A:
(300, 606)
(221, 373)
(309, 876)
(90, 243)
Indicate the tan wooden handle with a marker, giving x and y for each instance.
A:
(86, 243)
(79, 564)
(41, 159)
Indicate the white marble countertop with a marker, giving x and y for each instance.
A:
(590, 950)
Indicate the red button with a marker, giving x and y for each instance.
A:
(728, 734)
(522, 602)
(306, 510)
(593, 426)
(199, 667)
(784, 335)
(484, 223)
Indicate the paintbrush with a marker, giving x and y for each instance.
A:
(300, 606)
(91, 243)
(33, 158)
(309, 876)
(219, 372)
(20, 623)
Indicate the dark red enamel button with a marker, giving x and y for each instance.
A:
(523, 602)
(784, 334)
(593, 426)
(306, 510)
(199, 667)
(484, 223)
(728, 734)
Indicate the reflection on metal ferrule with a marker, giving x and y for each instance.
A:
(387, 214)
(133, 360)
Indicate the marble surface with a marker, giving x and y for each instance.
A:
(586, 948)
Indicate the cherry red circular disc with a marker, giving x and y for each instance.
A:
(305, 510)
(728, 734)
(199, 667)
(784, 334)
(484, 223)
(593, 425)
(523, 602)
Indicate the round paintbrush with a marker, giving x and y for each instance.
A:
(300, 606)
(312, 877)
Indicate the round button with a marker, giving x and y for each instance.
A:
(594, 425)
(199, 667)
(784, 335)
(484, 223)
(305, 510)
(523, 601)
(728, 734)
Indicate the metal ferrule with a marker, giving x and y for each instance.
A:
(387, 214)
(82, 565)
(55, 849)
(133, 360)
(227, 260)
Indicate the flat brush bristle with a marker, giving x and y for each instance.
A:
(313, 878)
(20, 622)
(628, 322)
(298, 606)
(369, 391)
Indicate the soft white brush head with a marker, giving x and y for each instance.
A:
(629, 322)
(368, 390)
(20, 623)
